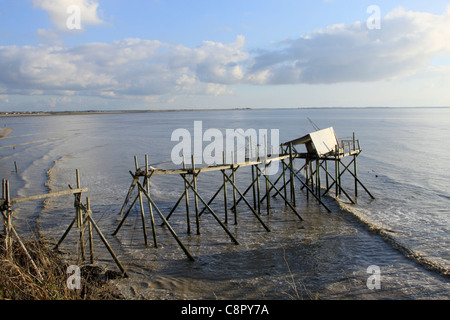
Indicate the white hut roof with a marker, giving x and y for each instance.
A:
(323, 141)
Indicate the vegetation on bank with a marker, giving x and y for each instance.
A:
(19, 281)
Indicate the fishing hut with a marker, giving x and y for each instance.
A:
(324, 162)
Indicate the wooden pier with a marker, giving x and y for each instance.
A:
(317, 171)
(315, 177)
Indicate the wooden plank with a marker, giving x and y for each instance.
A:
(48, 195)
(209, 168)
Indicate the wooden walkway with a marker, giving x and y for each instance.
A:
(315, 176)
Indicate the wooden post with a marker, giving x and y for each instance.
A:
(186, 251)
(80, 216)
(9, 253)
(253, 173)
(312, 192)
(248, 204)
(127, 198)
(225, 199)
(291, 159)
(197, 218)
(186, 195)
(126, 214)
(284, 183)
(342, 189)
(258, 192)
(318, 176)
(293, 209)
(265, 174)
(307, 176)
(336, 169)
(233, 178)
(213, 213)
(150, 209)
(110, 250)
(91, 241)
(141, 204)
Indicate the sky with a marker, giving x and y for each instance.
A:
(58, 55)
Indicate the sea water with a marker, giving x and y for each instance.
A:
(404, 164)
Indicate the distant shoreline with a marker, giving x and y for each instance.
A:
(84, 112)
(56, 113)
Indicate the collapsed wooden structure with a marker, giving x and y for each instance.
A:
(318, 178)
(83, 220)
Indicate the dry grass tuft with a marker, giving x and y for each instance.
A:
(19, 280)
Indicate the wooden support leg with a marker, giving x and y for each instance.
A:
(186, 251)
(126, 215)
(291, 164)
(211, 211)
(108, 247)
(91, 240)
(80, 217)
(186, 194)
(248, 204)
(150, 209)
(293, 209)
(311, 191)
(141, 205)
(225, 196)
(197, 217)
(234, 191)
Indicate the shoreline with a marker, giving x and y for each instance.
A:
(83, 112)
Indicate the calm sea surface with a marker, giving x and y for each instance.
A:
(405, 164)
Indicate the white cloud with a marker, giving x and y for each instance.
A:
(131, 67)
(406, 42)
(58, 11)
(150, 69)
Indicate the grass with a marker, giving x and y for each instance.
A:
(19, 280)
(297, 294)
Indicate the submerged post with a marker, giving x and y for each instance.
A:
(194, 174)
(266, 153)
(141, 204)
(186, 195)
(150, 209)
(225, 200)
(79, 216)
(291, 164)
(233, 179)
